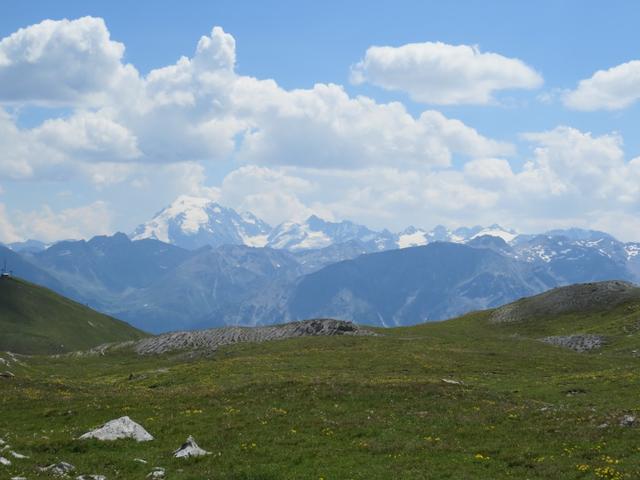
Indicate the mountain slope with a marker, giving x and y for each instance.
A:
(413, 285)
(102, 269)
(34, 319)
(214, 287)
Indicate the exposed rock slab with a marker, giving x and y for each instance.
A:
(190, 449)
(118, 429)
(213, 338)
(579, 343)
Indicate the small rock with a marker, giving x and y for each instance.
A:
(59, 469)
(18, 478)
(91, 477)
(17, 455)
(2, 442)
(6, 374)
(140, 460)
(627, 421)
(4, 461)
(157, 472)
(451, 382)
(603, 425)
(119, 428)
(190, 449)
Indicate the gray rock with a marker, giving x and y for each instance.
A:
(628, 421)
(157, 472)
(190, 449)
(60, 469)
(5, 461)
(91, 477)
(577, 342)
(117, 429)
(7, 374)
(17, 455)
(451, 382)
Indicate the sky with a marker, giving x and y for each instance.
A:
(388, 114)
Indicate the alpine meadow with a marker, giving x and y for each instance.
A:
(327, 241)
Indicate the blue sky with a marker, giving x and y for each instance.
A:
(299, 45)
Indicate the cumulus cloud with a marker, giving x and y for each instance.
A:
(612, 89)
(442, 74)
(63, 62)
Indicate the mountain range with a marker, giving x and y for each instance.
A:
(198, 264)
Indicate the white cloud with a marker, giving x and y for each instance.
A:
(70, 223)
(612, 89)
(8, 233)
(442, 74)
(61, 62)
(270, 194)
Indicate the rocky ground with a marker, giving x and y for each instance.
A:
(587, 297)
(211, 339)
(579, 343)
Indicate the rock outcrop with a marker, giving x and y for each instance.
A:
(213, 338)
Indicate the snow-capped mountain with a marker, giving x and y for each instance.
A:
(413, 237)
(316, 233)
(192, 222)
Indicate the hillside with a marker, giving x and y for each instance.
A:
(464, 398)
(34, 319)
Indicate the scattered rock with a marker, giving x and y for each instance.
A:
(190, 449)
(579, 343)
(5, 461)
(119, 428)
(18, 478)
(451, 381)
(91, 477)
(140, 460)
(157, 472)
(17, 455)
(2, 442)
(59, 469)
(7, 374)
(603, 425)
(627, 421)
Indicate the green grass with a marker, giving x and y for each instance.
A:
(35, 320)
(348, 407)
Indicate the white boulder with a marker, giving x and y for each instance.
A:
(119, 428)
(190, 449)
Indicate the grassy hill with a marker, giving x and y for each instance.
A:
(477, 397)
(35, 320)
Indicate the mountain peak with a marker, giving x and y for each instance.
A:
(192, 222)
